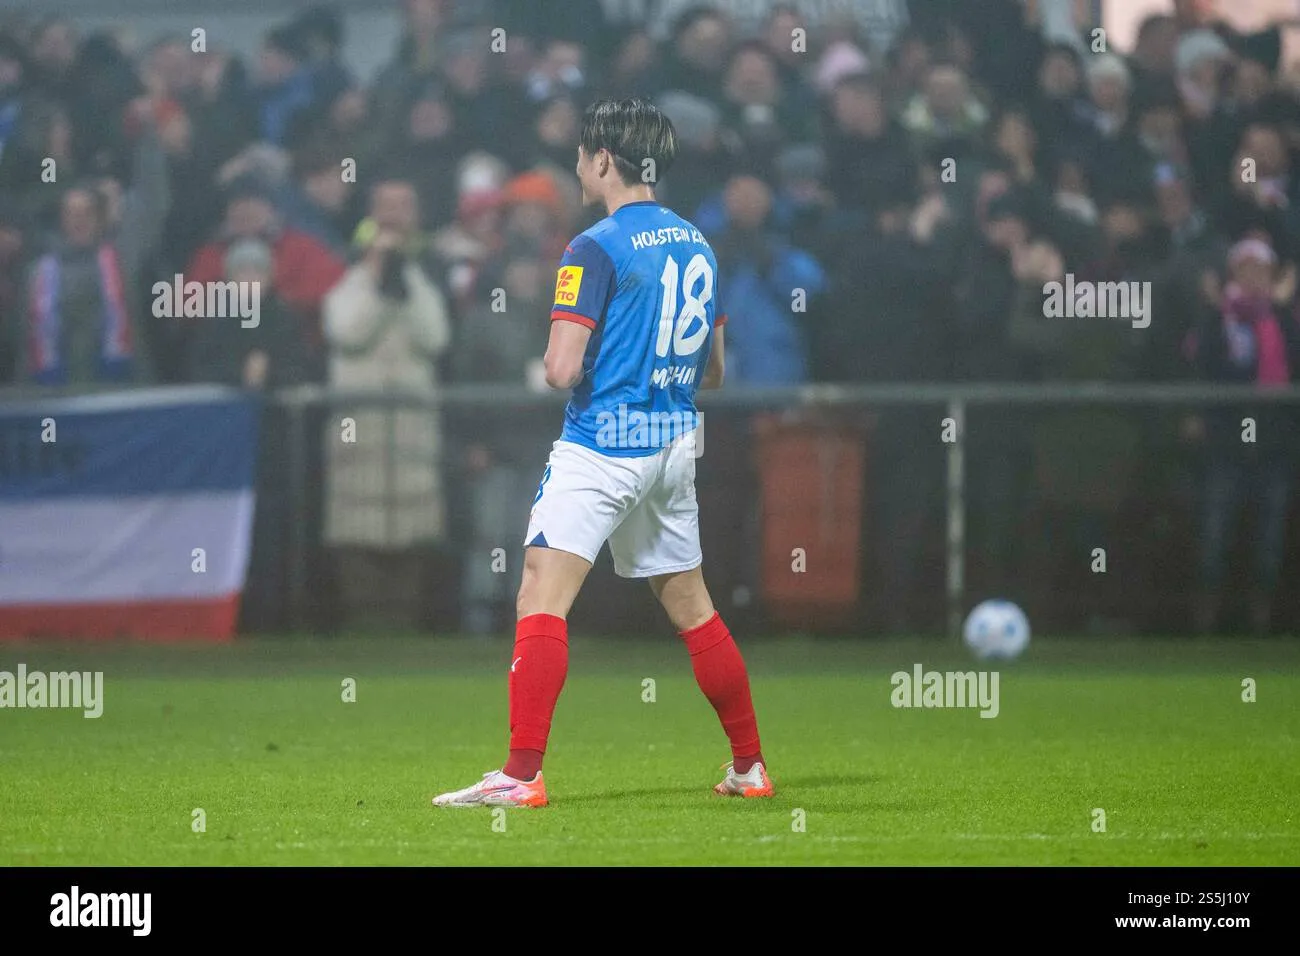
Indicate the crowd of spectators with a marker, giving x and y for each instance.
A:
(917, 197)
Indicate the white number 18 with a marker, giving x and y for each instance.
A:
(692, 308)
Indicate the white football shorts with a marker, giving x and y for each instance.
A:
(644, 507)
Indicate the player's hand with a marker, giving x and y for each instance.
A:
(385, 241)
(926, 218)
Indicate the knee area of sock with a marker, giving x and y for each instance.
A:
(542, 625)
(705, 634)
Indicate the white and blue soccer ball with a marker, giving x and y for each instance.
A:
(996, 630)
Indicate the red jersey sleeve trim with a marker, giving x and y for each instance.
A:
(560, 315)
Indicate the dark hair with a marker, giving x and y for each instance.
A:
(322, 22)
(1061, 48)
(287, 40)
(248, 186)
(632, 130)
(1012, 204)
(1152, 22)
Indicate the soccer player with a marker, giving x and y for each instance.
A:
(634, 332)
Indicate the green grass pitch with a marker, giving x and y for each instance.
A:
(258, 737)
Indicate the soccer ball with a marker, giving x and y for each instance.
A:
(996, 630)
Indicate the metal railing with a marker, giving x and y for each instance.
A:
(954, 401)
(473, 407)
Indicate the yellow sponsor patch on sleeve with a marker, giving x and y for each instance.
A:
(567, 285)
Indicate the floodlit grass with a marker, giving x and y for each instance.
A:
(257, 736)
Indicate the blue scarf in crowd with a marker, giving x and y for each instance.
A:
(45, 323)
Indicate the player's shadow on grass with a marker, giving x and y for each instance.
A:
(584, 798)
(826, 781)
(784, 786)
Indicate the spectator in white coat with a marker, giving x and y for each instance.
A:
(385, 323)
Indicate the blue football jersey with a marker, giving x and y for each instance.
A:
(644, 280)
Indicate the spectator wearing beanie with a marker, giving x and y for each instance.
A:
(474, 236)
(265, 355)
(1118, 166)
(1201, 61)
(1254, 339)
(534, 209)
(304, 268)
(705, 157)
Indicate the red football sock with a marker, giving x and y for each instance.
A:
(537, 670)
(720, 672)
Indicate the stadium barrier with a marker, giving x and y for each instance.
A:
(1080, 501)
(841, 509)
